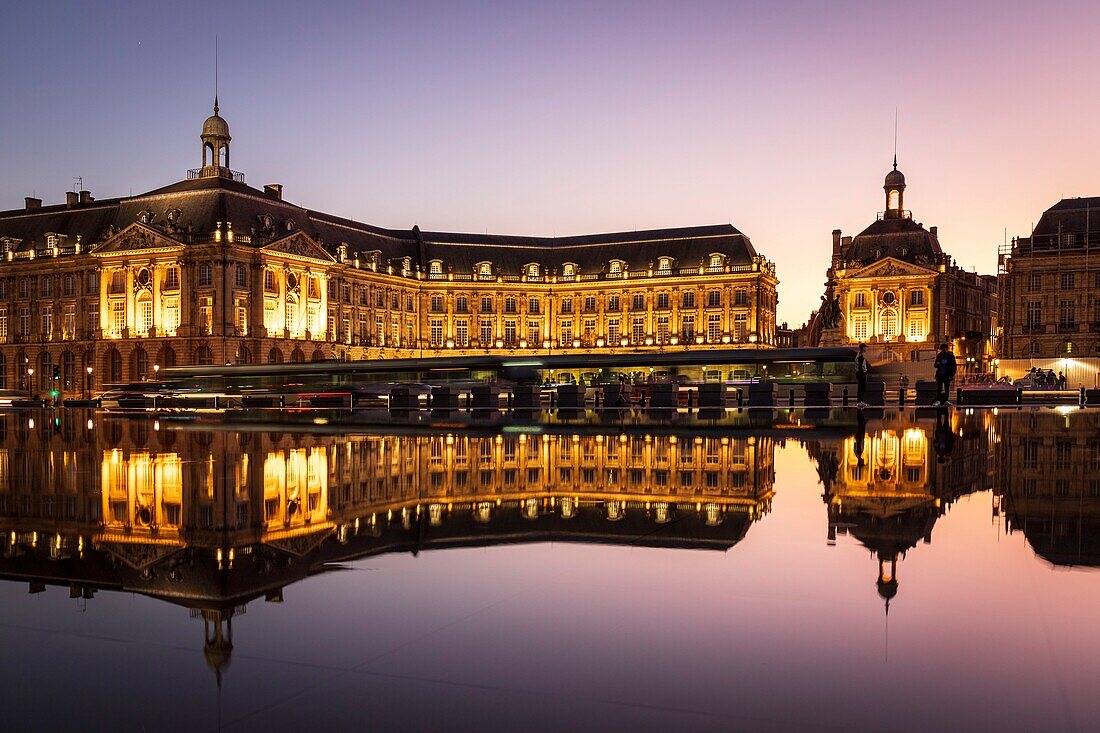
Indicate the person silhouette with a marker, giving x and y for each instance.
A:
(944, 437)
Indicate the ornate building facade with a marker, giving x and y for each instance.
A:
(1051, 286)
(897, 290)
(210, 270)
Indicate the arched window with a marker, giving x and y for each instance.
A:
(45, 371)
(203, 356)
(318, 355)
(894, 200)
(244, 356)
(114, 366)
(297, 356)
(269, 280)
(139, 364)
(274, 356)
(888, 324)
(166, 357)
(1033, 349)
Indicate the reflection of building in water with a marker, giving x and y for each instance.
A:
(1048, 481)
(887, 485)
(213, 520)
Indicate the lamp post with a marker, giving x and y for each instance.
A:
(88, 382)
(156, 370)
(30, 379)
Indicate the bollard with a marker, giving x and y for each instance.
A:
(958, 396)
(691, 398)
(901, 396)
(740, 398)
(845, 397)
(790, 397)
(1081, 397)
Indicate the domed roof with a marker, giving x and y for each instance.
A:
(895, 178)
(215, 126)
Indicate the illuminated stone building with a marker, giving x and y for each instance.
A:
(214, 520)
(888, 485)
(1051, 287)
(210, 270)
(1048, 479)
(903, 295)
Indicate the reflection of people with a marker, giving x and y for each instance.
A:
(944, 437)
(946, 367)
(862, 367)
(620, 396)
(861, 437)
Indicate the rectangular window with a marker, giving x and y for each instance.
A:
(1031, 454)
(206, 314)
(311, 320)
(916, 297)
(534, 334)
(379, 331)
(395, 332)
(172, 316)
(638, 303)
(533, 306)
(637, 330)
(486, 304)
(67, 285)
(1034, 315)
(1067, 281)
(688, 300)
(613, 303)
(662, 329)
(462, 334)
(566, 305)
(590, 304)
(118, 284)
(437, 333)
(3, 325)
(740, 296)
(510, 336)
(269, 280)
(714, 328)
(916, 328)
(462, 304)
(1067, 314)
(510, 304)
(687, 327)
(486, 335)
(589, 336)
(1034, 283)
(566, 333)
(118, 317)
(741, 327)
(437, 304)
(714, 298)
(861, 300)
(45, 286)
(1063, 454)
(662, 301)
(613, 335)
(241, 316)
(47, 322)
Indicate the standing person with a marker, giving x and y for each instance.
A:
(1062, 380)
(862, 367)
(945, 372)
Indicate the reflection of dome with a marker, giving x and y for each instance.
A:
(887, 588)
(215, 126)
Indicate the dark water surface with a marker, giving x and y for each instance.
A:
(792, 571)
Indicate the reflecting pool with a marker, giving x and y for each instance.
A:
(908, 570)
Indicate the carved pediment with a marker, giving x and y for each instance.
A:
(299, 244)
(139, 555)
(891, 267)
(136, 238)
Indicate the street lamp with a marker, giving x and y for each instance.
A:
(156, 370)
(88, 382)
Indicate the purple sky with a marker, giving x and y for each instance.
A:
(563, 118)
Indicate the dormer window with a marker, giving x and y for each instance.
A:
(484, 270)
(533, 270)
(615, 268)
(568, 270)
(664, 265)
(717, 260)
(406, 265)
(145, 216)
(435, 268)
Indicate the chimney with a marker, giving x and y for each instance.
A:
(86, 197)
(274, 190)
(32, 203)
(846, 242)
(934, 231)
(836, 242)
(71, 199)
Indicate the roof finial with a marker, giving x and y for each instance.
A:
(216, 75)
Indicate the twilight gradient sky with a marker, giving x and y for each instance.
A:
(565, 118)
